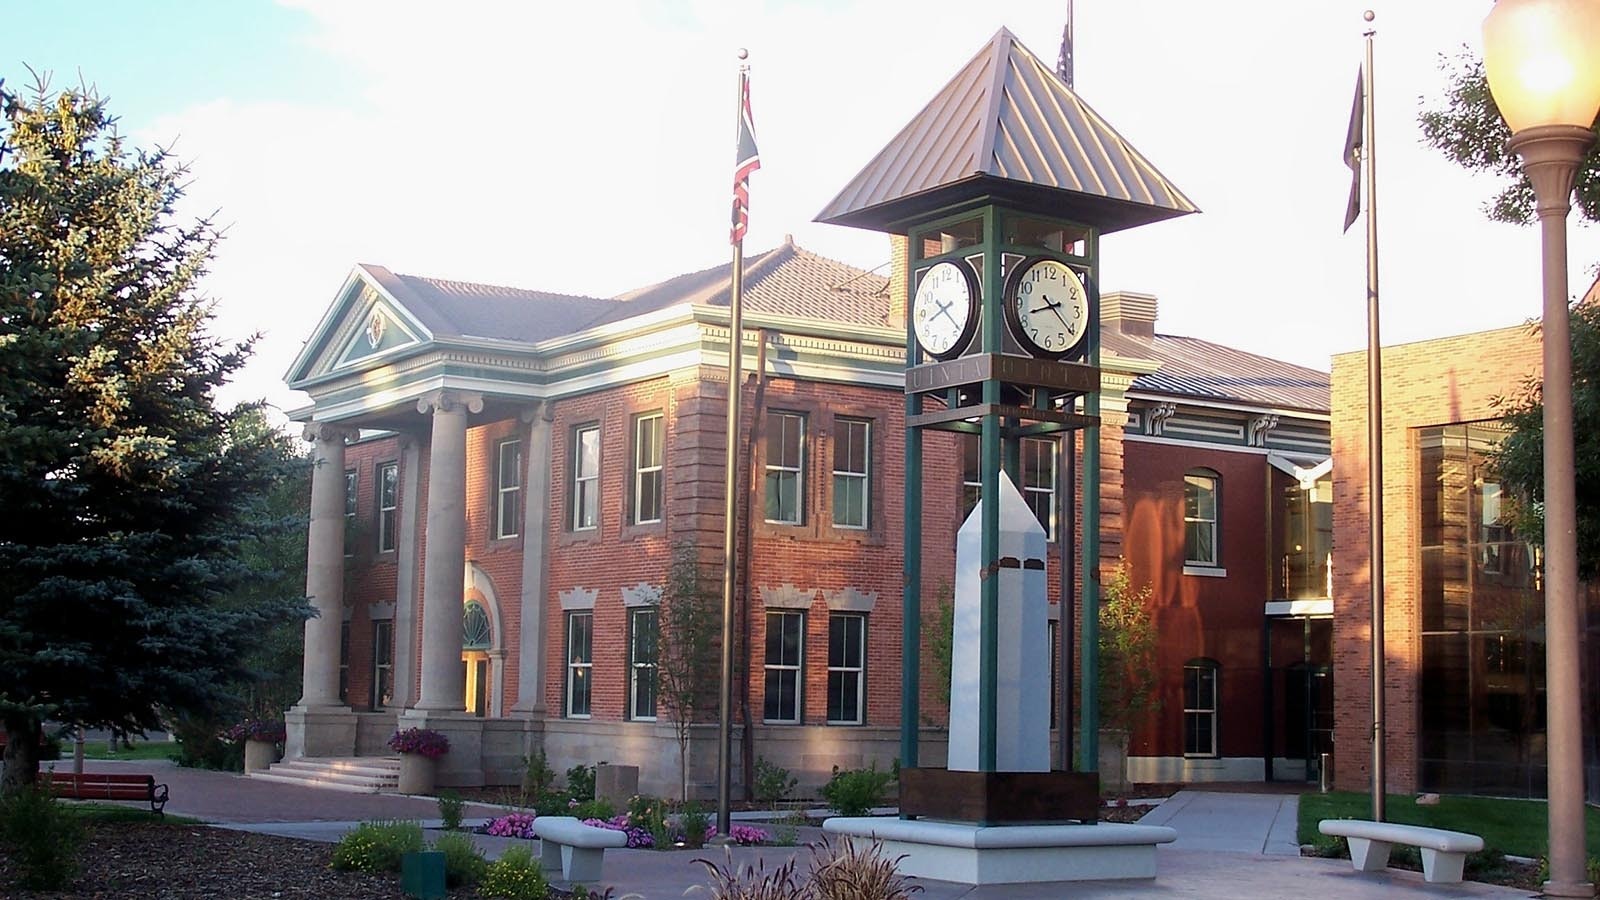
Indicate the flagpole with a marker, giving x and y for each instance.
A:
(731, 489)
(1374, 434)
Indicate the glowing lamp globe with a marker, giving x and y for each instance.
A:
(1543, 61)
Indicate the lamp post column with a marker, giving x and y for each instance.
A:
(444, 568)
(1550, 156)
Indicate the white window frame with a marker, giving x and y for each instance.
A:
(1029, 490)
(793, 672)
(638, 669)
(577, 667)
(842, 429)
(585, 485)
(1212, 523)
(643, 469)
(859, 672)
(1200, 708)
(774, 445)
(507, 497)
(388, 515)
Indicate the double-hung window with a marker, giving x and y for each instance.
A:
(586, 478)
(388, 504)
(649, 432)
(508, 489)
(1200, 708)
(382, 663)
(642, 647)
(785, 455)
(580, 662)
(852, 459)
(1039, 481)
(847, 657)
(344, 662)
(1200, 518)
(352, 484)
(785, 643)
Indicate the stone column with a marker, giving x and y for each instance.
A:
(535, 562)
(405, 593)
(325, 568)
(444, 567)
(319, 724)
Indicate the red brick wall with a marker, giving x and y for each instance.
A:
(1436, 382)
(369, 575)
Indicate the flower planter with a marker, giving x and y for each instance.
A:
(416, 773)
(258, 755)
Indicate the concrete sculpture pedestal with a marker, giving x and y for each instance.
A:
(1012, 854)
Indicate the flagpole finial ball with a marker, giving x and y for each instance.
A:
(1368, 15)
(743, 53)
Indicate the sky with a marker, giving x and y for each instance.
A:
(587, 148)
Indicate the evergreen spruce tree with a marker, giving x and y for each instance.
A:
(126, 495)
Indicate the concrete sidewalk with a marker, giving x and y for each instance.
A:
(1230, 846)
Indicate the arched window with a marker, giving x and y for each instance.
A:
(1200, 695)
(1200, 490)
(474, 626)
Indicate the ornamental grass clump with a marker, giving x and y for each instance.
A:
(421, 741)
(732, 881)
(377, 846)
(516, 875)
(464, 864)
(852, 871)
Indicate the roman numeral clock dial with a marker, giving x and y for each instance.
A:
(1047, 307)
(944, 311)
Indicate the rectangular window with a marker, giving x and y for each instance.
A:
(344, 662)
(785, 640)
(508, 489)
(1200, 519)
(649, 432)
(785, 451)
(388, 504)
(1039, 481)
(642, 636)
(851, 460)
(586, 478)
(580, 660)
(971, 474)
(352, 484)
(847, 655)
(1200, 709)
(382, 664)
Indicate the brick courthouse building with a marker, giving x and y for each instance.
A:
(583, 438)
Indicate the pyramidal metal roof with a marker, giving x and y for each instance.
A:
(1007, 127)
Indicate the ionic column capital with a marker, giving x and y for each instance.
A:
(537, 411)
(447, 400)
(330, 433)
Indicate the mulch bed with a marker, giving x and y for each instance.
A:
(156, 861)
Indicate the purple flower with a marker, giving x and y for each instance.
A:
(256, 730)
(515, 825)
(424, 741)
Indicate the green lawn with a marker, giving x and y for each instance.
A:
(93, 813)
(1516, 827)
(141, 750)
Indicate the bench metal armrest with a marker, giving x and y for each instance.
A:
(158, 798)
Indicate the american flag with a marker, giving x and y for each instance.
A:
(747, 160)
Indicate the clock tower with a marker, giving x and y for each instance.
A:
(1003, 185)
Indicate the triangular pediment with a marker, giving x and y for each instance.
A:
(366, 325)
(1007, 126)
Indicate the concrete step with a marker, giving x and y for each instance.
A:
(366, 774)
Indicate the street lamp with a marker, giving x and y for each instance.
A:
(1544, 71)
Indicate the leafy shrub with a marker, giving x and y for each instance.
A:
(1328, 847)
(694, 823)
(730, 881)
(853, 792)
(257, 730)
(553, 804)
(200, 745)
(594, 809)
(377, 846)
(463, 861)
(537, 776)
(41, 838)
(580, 782)
(516, 876)
(517, 825)
(450, 807)
(422, 741)
(848, 871)
(772, 782)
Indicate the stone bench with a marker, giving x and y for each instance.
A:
(1444, 853)
(573, 847)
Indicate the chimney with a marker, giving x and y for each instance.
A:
(1130, 314)
(899, 279)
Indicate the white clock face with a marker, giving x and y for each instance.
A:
(1050, 307)
(941, 311)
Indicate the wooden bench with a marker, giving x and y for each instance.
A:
(577, 849)
(1444, 853)
(102, 786)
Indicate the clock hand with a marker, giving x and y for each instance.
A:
(1055, 308)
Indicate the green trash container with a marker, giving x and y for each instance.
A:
(422, 874)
